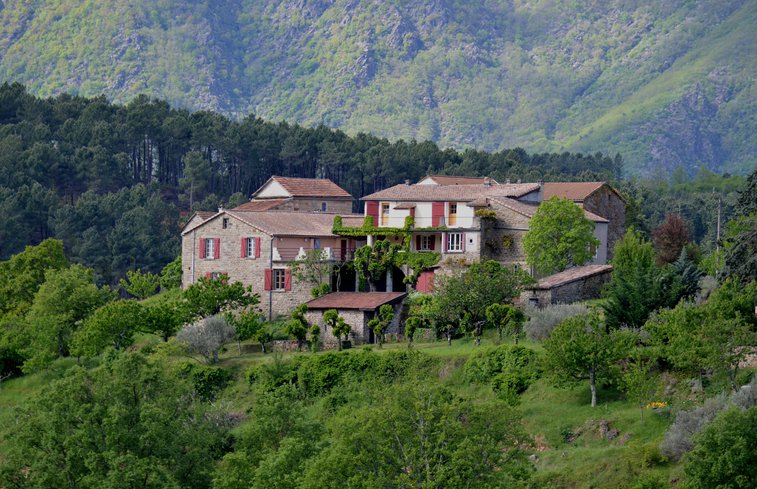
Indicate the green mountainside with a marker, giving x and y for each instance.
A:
(667, 84)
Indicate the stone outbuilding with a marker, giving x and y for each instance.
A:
(572, 285)
(357, 308)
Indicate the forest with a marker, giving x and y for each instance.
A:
(114, 182)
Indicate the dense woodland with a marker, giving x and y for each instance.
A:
(113, 181)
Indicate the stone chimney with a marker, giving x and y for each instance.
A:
(407, 182)
(487, 182)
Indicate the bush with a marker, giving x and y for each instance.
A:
(645, 456)
(678, 438)
(542, 321)
(746, 396)
(207, 381)
(724, 454)
(510, 369)
(649, 481)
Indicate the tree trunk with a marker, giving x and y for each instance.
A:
(449, 339)
(593, 384)
(478, 340)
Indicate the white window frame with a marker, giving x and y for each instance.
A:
(278, 274)
(210, 248)
(457, 240)
(250, 248)
(426, 241)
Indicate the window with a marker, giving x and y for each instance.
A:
(279, 279)
(324, 207)
(452, 221)
(454, 242)
(225, 222)
(384, 214)
(426, 243)
(250, 247)
(210, 248)
(316, 243)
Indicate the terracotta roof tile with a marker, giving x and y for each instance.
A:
(451, 193)
(260, 205)
(364, 301)
(288, 223)
(528, 209)
(455, 180)
(576, 191)
(570, 275)
(312, 187)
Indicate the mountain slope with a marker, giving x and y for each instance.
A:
(667, 84)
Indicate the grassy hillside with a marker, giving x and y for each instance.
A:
(549, 414)
(666, 84)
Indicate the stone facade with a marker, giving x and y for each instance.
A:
(581, 289)
(301, 204)
(503, 236)
(358, 320)
(607, 203)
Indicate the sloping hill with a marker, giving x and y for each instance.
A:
(667, 84)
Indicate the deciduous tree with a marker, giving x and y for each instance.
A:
(559, 236)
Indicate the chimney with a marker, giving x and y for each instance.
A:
(507, 181)
(407, 182)
(487, 182)
(220, 208)
(518, 181)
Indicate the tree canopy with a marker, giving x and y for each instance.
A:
(559, 236)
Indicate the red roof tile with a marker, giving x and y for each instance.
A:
(260, 205)
(528, 209)
(451, 193)
(570, 275)
(311, 187)
(576, 191)
(364, 301)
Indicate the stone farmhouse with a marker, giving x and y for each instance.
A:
(256, 242)
(445, 220)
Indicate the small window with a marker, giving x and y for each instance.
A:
(250, 248)
(384, 213)
(426, 243)
(324, 207)
(225, 222)
(454, 242)
(534, 301)
(279, 278)
(316, 244)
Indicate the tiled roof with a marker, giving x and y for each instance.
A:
(451, 193)
(260, 205)
(287, 223)
(353, 220)
(570, 275)
(453, 180)
(205, 215)
(311, 187)
(364, 301)
(528, 210)
(577, 191)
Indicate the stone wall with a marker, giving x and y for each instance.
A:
(300, 204)
(576, 291)
(250, 271)
(607, 203)
(508, 224)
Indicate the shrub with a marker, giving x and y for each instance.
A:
(724, 454)
(542, 321)
(645, 456)
(678, 438)
(207, 381)
(650, 481)
(746, 396)
(510, 369)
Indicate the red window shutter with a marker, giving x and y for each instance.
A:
(432, 243)
(444, 242)
(217, 249)
(243, 252)
(268, 279)
(412, 212)
(202, 247)
(372, 209)
(462, 242)
(287, 280)
(437, 212)
(418, 242)
(257, 247)
(209, 275)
